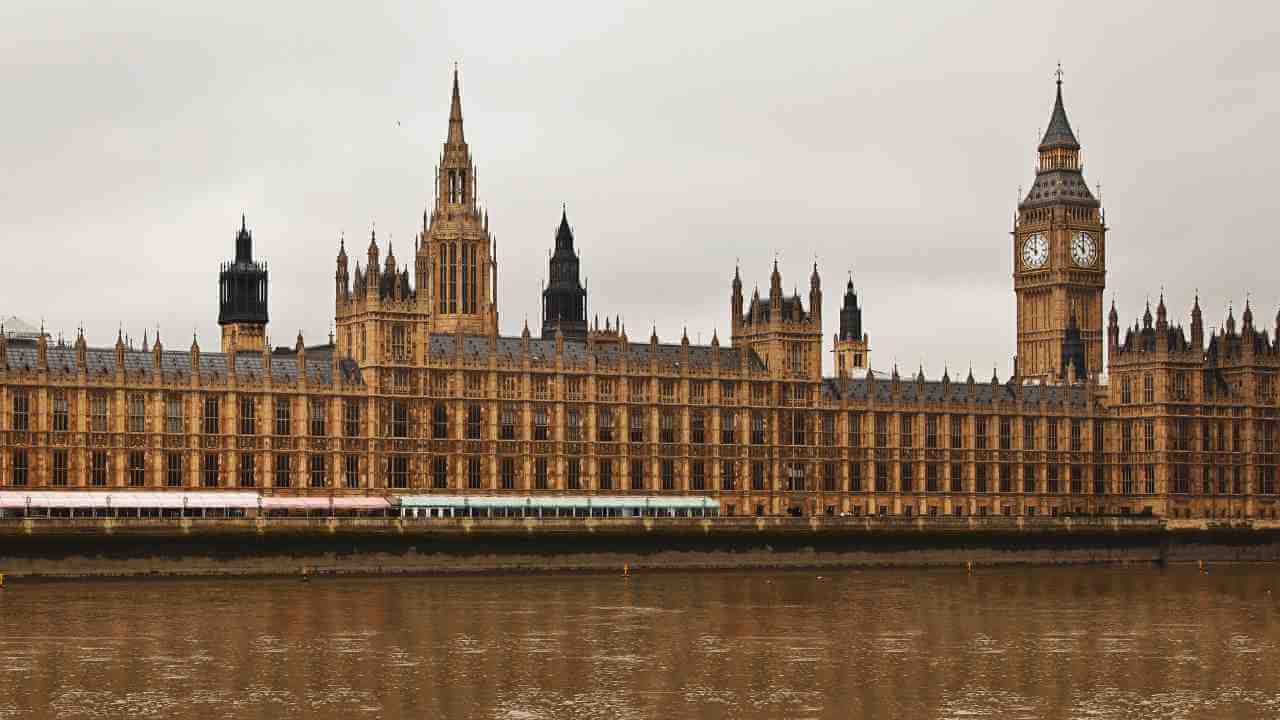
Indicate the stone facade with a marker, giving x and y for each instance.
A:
(417, 391)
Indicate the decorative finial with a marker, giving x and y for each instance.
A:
(1058, 74)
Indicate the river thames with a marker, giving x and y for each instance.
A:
(1080, 642)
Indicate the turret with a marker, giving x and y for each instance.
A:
(242, 306)
(851, 347)
(1113, 331)
(1197, 325)
(1162, 315)
(564, 300)
(342, 283)
(735, 298)
(815, 297)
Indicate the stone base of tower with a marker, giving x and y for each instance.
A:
(244, 337)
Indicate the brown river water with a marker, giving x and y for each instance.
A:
(1078, 642)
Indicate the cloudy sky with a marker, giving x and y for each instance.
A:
(890, 138)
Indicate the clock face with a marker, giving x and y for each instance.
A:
(1035, 251)
(1083, 251)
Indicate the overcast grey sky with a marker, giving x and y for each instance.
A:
(886, 137)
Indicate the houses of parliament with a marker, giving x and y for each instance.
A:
(416, 391)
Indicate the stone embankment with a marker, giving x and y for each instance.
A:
(316, 546)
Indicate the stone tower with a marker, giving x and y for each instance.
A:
(455, 260)
(1059, 259)
(242, 298)
(564, 300)
(851, 347)
(779, 329)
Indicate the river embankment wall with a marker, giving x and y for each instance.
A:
(176, 547)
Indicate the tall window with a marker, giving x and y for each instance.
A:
(248, 470)
(399, 419)
(931, 431)
(604, 424)
(175, 420)
(98, 412)
(668, 469)
(210, 420)
(466, 275)
(957, 432)
(173, 470)
(507, 423)
(398, 471)
(137, 413)
(351, 418)
(284, 420)
(882, 430)
(19, 469)
(575, 473)
(59, 468)
(473, 473)
(282, 479)
(1148, 388)
(453, 277)
(1029, 434)
(882, 477)
(507, 473)
(573, 424)
(1006, 432)
(540, 473)
(439, 421)
(757, 476)
(61, 412)
(931, 478)
(667, 427)
(248, 417)
(637, 425)
(728, 427)
(319, 471)
(908, 477)
(829, 477)
(698, 475)
(697, 427)
(137, 470)
(957, 477)
(1149, 435)
(1126, 391)
(318, 411)
(728, 476)
(351, 471)
(855, 477)
(440, 472)
(604, 469)
(1051, 438)
(759, 426)
(209, 477)
(21, 410)
(980, 478)
(98, 468)
(980, 432)
(906, 430)
(541, 423)
(444, 284)
(637, 475)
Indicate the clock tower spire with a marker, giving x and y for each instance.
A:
(1059, 259)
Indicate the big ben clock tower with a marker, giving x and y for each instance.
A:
(1059, 261)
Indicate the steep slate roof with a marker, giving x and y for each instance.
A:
(860, 389)
(178, 362)
(1059, 134)
(575, 351)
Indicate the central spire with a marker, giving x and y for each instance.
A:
(455, 114)
(1059, 134)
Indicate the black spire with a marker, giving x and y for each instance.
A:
(1073, 348)
(242, 284)
(564, 301)
(850, 315)
(1058, 134)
